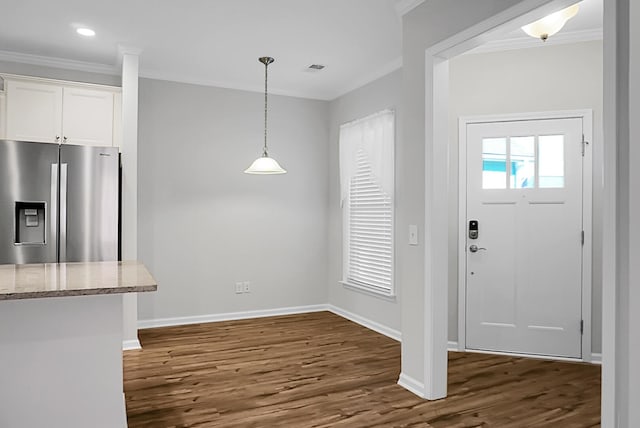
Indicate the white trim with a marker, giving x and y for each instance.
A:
(436, 184)
(128, 50)
(229, 316)
(610, 280)
(114, 70)
(232, 316)
(587, 227)
(594, 358)
(534, 356)
(536, 115)
(587, 211)
(192, 80)
(436, 158)
(69, 83)
(411, 385)
(3, 109)
(365, 322)
(124, 411)
(364, 80)
(67, 64)
(405, 6)
(368, 291)
(522, 13)
(130, 345)
(462, 233)
(530, 43)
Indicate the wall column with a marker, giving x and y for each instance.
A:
(129, 149)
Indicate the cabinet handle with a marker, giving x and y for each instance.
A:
(57, 138)
(64, 140)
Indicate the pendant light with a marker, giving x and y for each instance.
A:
(550, 24)
(265, 164)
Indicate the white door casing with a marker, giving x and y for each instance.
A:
(529, 290)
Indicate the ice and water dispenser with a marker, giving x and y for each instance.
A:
(30, 223)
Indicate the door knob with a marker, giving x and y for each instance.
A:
(474, 248)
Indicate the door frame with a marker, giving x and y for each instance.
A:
(587, 214)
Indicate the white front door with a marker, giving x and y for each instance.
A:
(524, 269)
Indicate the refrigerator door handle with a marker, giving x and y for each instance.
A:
(53, 211)
(63, 213)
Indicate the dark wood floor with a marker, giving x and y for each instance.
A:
(320, 370)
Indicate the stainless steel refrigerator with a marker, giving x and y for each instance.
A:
(58, 203)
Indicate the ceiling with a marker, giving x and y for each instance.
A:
(217, 42)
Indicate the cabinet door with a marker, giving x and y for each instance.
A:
(87, 117)
(34, 111)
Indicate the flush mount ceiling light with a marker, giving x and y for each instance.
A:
(264, 164)
(551, 24)
(87, 32)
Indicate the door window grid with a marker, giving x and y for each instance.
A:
(531, 162)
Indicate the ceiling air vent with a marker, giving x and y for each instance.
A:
(316, 67)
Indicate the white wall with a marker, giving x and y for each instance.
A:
(545, 78)
(384, 93)
(203, 224)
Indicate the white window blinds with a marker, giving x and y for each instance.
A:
(366, 178)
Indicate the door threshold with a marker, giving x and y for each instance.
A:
(533, 356)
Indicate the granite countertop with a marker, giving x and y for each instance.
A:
(38, 280)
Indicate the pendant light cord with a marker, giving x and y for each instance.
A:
(266, 66)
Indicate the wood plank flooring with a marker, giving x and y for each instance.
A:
(320, 370)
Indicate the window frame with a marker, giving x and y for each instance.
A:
(373, 290)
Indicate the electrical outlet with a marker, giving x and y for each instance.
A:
(239, 288)
(247, 287)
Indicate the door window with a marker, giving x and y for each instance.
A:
(531, 162)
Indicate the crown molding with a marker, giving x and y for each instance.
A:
(405, 6)
(182, 78)
(390, 67)
(128, 50)
(191, 80)
(67, 64)
(529, 42)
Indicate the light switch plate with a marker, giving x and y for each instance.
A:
(239, 288)
(413, 234)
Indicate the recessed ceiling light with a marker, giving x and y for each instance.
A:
(88, 32)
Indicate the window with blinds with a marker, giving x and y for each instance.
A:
(366, 166)
(370, 230)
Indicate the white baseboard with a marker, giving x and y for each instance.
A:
(452, 345)
(230, 316)
(412, 385)
(129, 345)
(365, 322)
(596, 358)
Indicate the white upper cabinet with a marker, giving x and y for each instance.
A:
(87, 117)
(34, 111)
(54, 111)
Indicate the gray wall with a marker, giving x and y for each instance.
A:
(203, 224)
(547, 78)
(382, 94)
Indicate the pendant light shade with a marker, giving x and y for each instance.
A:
(551, 24)
(265, 164)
